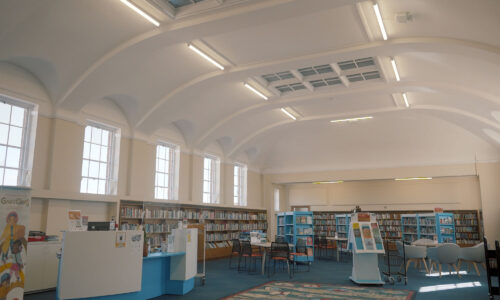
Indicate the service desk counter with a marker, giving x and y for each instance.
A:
(93, 268)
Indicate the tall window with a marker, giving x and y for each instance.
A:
(276, 199)
(240, 185)
(166, 179)
(100, 160)
(211, 177)
(17, 141)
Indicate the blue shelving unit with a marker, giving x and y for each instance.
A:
(342, 225)
(445, 228)
(433, 226)
(296, 225)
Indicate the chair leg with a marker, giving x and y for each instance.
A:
(408, 262)
(458, 271)
(477, 269)
(425, 265)
(288, 267)
(440, 270)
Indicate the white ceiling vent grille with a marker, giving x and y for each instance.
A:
(363, 76)
(325, 82)
(278, 76)
(291, 87)
(181, 3)
(322, 69)
(356, 63)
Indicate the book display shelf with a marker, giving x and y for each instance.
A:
(342, 222)
(409, 227)
(295, 226)
(445, 228)
(220, 223)
(467, 225)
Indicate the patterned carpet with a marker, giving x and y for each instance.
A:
(301, 290)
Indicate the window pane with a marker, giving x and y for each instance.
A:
(85, 168)
(5, 113)
(167, 153)
(1, 175)
(157, 194)
(17, 117)
(103, 168)
(92, 186)
(161, 152)
(160, 192)
(206, 163)
(95, 152)
(165, 183)
(93, 169)
(4, 132)
(3, 152)
(13, 156)
(86, 150)
(88, 131)
(206, 175)
(105, 138)
(15, 136)
(104, 154)
(166, 166)
(206, 198)
(165, 193)
(83, 185)
(161, 165)
(96, 135)
(10, 177)
(206, 186)
(102, 187)
(160, 179)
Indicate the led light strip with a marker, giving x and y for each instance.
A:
(406, 100)
(205, 56)
(142, 13)
(325, 182)
(413, 178)
(395, 68)
(288, 113)
(255, 91)
(380, 22)
(351, 119)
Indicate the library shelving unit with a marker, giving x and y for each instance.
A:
(445, 228)
(297, 225)
(221, 223)
(409, 227)
(342, 222)
(389, 224)
(324, 223)
(427, 226)
(467, 230)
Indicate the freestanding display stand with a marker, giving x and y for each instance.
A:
(366, 243)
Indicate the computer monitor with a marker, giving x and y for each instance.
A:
(98, 226)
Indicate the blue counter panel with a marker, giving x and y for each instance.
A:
(155, 280)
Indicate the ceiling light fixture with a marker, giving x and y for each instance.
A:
(413, 178)
(325, 182)
(255, 91)
(380, 22)
(142, 13)
(286, 112)
(351, 119)
(395, 68)
(192, 47)
(406, 100)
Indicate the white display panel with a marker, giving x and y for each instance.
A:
(184, 267)
(94, 264)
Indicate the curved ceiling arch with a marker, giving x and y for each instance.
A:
(390, 87)
(238, 147)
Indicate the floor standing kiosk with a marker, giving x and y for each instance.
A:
(366, 243)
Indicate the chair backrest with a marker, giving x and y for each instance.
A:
(300, 247)
(432, 253)
(447, 253)
(280, 239)
(322, 241)
(415, 251)
(400, 247)
(280, 250)
(236, 246)
(246, 248)
(475, 253)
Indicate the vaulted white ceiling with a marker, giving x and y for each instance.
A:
(84, 53)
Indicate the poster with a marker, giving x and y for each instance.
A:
(74, 221)
(14, 221)
(378, 238)
(367, 237)
(357, 236)
(121, 238)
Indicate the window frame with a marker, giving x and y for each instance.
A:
(112, 163)
(240, 182)
(173, 172)
(28, 136)
(276, 199)
(214, 193)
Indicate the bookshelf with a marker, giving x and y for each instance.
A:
(467, 229)
(221, 224)
(409, 227)
(324, 223)
(297, 225)
(445, 228)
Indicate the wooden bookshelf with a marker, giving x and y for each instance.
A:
(221, 224)
(467, 224)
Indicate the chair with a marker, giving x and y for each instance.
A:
(424, 241)
(316, 243)
(300, 250)
(279, 239)
(235, 250)
(415, 254)
(446, 253)
(323, 245)
(279, 252)
(472, 255)
(246, 251)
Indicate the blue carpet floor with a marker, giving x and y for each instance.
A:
(222, 282)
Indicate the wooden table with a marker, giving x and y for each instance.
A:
(337, 240)
(266, 246)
